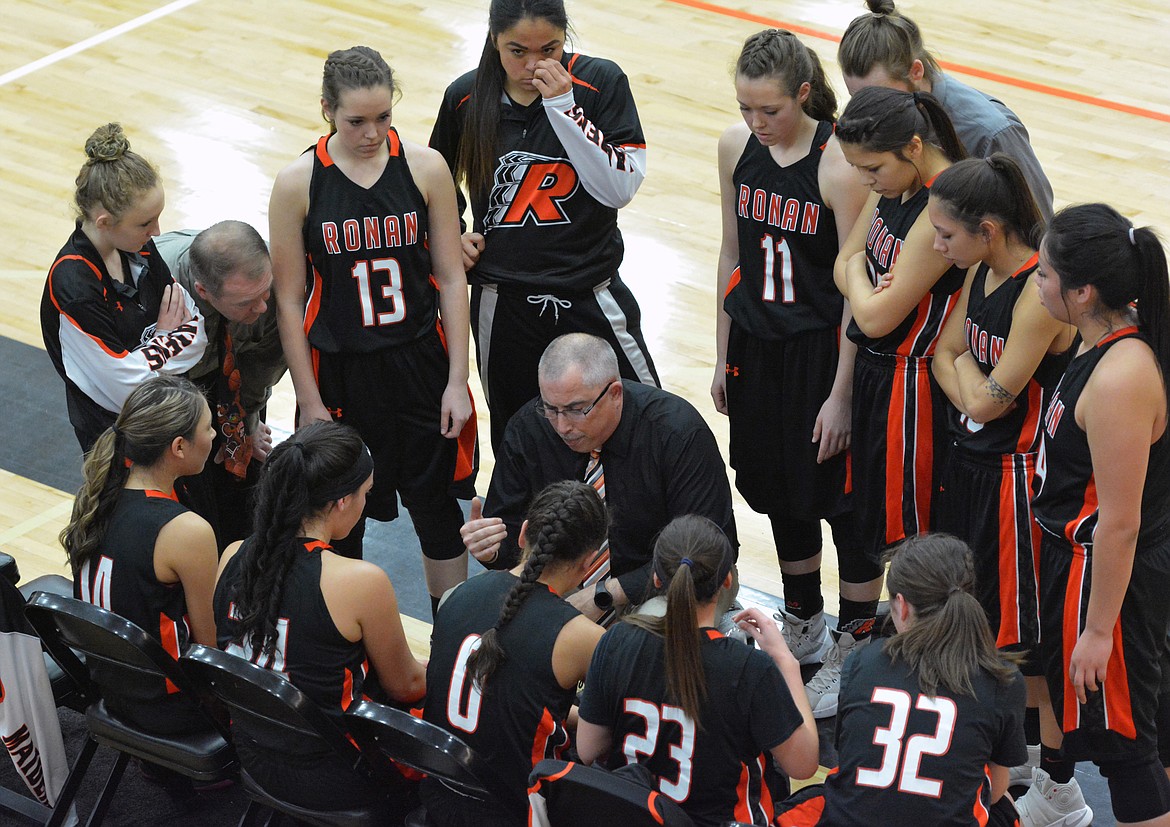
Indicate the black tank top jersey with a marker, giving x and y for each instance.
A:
(543, 229)
(714, 773)
(986, 330)
(1065, 504)
(918, 333)
(787, 245)
(121, 576)
(330, 669)
(519, 718)
(369, 269)
(917, 759)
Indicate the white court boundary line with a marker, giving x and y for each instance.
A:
(96, 40)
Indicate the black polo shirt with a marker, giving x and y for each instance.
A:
(660, 463)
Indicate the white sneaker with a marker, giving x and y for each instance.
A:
(1021, 776)
(808, 640)
(825, 686)
(1048, 804)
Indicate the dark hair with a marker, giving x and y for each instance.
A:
(358, 67)
(949, 640)
(481, 114)
(692, 558)
(566, 521)
(226, 248)
(975, 189)
(1094, 244)
(316, 466)
(885, 120)
(112, 176)
(776, 53)
(156, 412)
(885, 38)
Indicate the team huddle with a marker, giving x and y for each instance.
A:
(910, 346)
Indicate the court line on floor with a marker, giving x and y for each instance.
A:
(96, 40)
(49, 515)
(1008, 80)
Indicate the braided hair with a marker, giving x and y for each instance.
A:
(692, 558)
(566, 521)
(157, 412)
(358, 67)
(885, 120)
(303, 476)
(778, 54)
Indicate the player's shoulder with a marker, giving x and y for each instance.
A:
(459, 89)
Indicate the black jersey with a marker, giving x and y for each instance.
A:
(518, 718)
(918, 759)
(121, 578)
(918, 333)
(1065, 504)
(714, 772)
(329, 668)
(985, 331)
(783, 284)
(100, 332)
(543, 227)
(369, 269)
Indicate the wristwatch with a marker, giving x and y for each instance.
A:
(602, 599)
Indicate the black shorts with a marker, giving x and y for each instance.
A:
(775, 389)
(393, 398)
(899, 441)
(984, 501)
(1118, 722)
(513, 326)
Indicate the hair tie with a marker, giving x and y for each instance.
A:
(1132, 240)
(688, 562)
(117, 432)
(954, 590)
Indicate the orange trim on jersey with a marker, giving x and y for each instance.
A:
(923, 447)
(1088, 508)
(1117, 334)
(323, 151)
(1070, 631)
(960, 68)
(463, 100)
(895, 461)
(53, 297)
(732, 282)
(1008, 555)
(805, 814)
(1028, 265)
(168, 635)
(544, 731)
(346, 690)
(1029, 438)
(318, 545)
(743, 810)
(469, 437)
(652, 806)
(1118, 705)
(313, 308)
(393, 143)
(979, 810)
(574, 78)
(161, 495)
(714, 634)
(922, 313)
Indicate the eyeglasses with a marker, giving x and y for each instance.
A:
(574, 414)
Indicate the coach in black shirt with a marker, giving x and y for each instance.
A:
(660, 461)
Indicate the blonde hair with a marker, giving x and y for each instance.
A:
(113, 176)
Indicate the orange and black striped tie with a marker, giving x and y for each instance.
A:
(595, 476)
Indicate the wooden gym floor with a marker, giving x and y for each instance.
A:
(221, 94)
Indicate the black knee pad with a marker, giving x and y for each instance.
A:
(437, 526)
(853, 565)
(796, 540)
(1139, 788)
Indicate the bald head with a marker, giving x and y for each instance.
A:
(591, 355)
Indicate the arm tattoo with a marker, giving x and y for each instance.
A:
(998, 392)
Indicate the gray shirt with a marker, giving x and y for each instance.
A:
(985, 125)
(256, 346)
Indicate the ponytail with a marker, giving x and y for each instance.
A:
(157, 412)
(885, 120)
(567, 520)
(303, 476)
(778, 54)
(949, 640)
(692, 557)
(887, 38)
(1093, 244)
(977, 189)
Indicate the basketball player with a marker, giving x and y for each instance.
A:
(548, 145)
(1103, 502)
(369, 221)
(782, 374)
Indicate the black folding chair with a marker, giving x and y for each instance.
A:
(271, 712)
(579, 796)
(120, 656)
(426, 748)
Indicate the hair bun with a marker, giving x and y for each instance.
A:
(107, 143)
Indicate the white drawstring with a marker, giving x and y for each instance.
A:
(544, 299)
